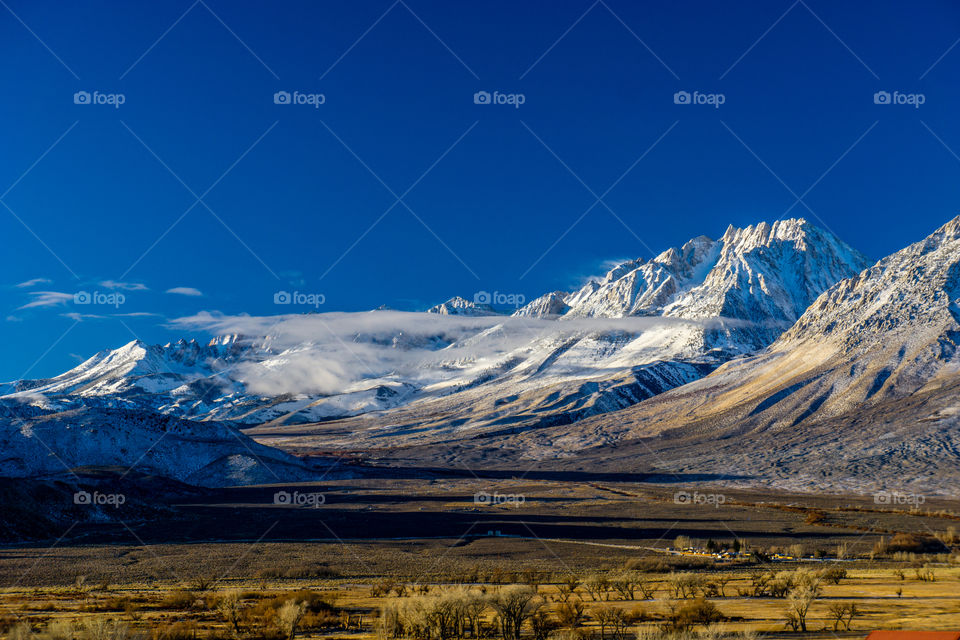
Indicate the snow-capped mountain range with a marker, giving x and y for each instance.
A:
(646, 326)
(862, 393)
(776, 350)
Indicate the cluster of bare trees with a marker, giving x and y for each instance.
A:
(459, 612)
(779, 584)
(693, 585)
(625, 585)
(843, 613)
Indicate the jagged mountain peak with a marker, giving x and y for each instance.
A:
(764, 234)
(949, 231)
(867, 378)
(226, 340)
(548, 305)
(457, 306)
(760, 272)
(912, 294)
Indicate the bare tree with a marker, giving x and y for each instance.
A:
(852, 612)
(620, 624)
(289, 616)
(568, 588)
(625, 584)
(647, 590)
(722, 582)
(542, 625)
(798, 605)
(474, 607)
(605, 617)
(514, 605)
(389, 625)
(843, 614)
(597, 586)
(571, 614)
(230, 608)
(684, 585)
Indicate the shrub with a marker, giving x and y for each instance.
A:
(104, 629)
(175, 631)
(696, 612)
(834, 574)
(60, 630)
(289, 616)
(179, 600)
(21, 631)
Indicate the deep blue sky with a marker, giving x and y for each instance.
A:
(199, 97)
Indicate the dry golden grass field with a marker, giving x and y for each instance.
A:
(392, 559)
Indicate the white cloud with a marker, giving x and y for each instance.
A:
(330, 352)
(185, 291)
(47, 299)
(79, 317)
(33, 282)
(604, 267)
(123, 286)
(94, 316)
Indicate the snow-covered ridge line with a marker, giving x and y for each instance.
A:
(702, 303)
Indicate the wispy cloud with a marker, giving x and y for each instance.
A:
(82, 316)
(123, 286)
(331, 352)
(96, 316)
(47, 299)
(186, 291)
(33, 283)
